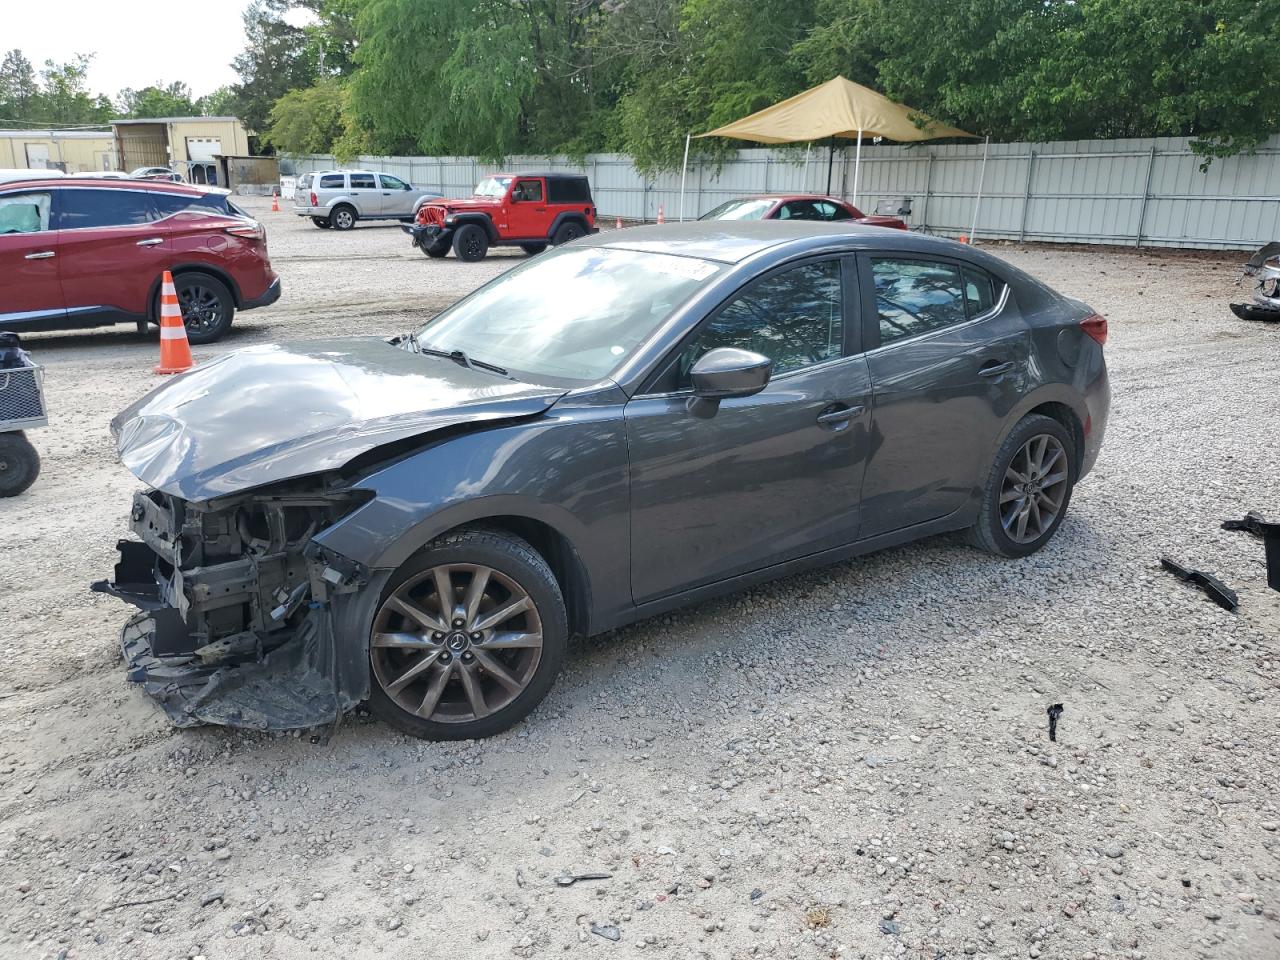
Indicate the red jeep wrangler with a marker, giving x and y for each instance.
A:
(527, 210)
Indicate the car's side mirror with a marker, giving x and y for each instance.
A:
(730, 372)
(408, 186)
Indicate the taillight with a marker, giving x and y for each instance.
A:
(253, 231)
(1095, 325)
(315, 202)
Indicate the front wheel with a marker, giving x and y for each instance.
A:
(468, 639)
(1028, 489)
(470, 243)
(436, 251)
(19, 463)
(321, 222)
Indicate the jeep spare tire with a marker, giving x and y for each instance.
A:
(470, 243)
(570, 230)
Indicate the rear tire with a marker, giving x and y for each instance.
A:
(343, 217)
(207, 306)
(321, 222)
(470, 679)
(19, 463)
(1028, 489)
(470, 243)
(570, 230)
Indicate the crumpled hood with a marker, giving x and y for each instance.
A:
(269, 413)
(473, 203)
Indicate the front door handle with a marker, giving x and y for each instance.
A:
(836, 415)
(995, 369)
(151, 242)
(42, 255)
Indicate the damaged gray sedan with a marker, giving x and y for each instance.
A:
(629, 424)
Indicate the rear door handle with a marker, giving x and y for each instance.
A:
(840, 414)
(994, 369)
(150, 242)
(42, 255)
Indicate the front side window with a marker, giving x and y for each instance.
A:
(24, 213)
(574, 315)
(493, 187)
(740, 210)
(362, 181)
(916, 296)
(82, 209)
(392, 183)
(333, 181)
(527, 191)
(795, 318)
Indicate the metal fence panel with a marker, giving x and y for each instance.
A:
(1137, 192)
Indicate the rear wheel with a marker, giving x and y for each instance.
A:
(533, 249)
(470, 243)
(19, 463)
(570, 230)
(1028, 489)
(342, 218)
(468, 639)
(207, 306)
(321, 222)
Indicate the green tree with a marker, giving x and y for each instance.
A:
(277, 59)
(219, 103)
(308, 120)
(172, 100)
(65, 97)
(19, 88)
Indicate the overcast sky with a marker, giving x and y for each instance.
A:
(134, 45)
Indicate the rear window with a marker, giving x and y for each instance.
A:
(568, 190)
(304, 181)
(82, 209)
(332, 181)
(167, 204)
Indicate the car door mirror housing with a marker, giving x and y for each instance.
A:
(730, 372)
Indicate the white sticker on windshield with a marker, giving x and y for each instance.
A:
(685, 267)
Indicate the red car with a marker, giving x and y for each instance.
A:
(527, 210)
(799, 206)
(90, 252)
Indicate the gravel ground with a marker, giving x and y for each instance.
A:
(849, 763)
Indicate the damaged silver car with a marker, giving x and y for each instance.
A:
(628, 424)
(1262, 276)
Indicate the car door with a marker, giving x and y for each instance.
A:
(396, 198)
(948, 363)
(29, 288)
(721, 489)
(111, 250)
(527, 208)
(365, 194)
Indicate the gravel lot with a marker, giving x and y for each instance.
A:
(850, 763)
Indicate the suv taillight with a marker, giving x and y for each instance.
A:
(315, 201)
(1095, 325)
(253, 231)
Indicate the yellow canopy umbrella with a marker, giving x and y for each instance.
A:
(837, 108)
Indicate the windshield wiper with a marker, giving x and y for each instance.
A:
(462, 360)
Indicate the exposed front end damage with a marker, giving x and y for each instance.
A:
(242, 617)
(1262, 274)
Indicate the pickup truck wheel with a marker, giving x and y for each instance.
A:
(571, 230)
(468, 639)
(321, 222)
(470, 243)
(207, 306)
(533, 249)
(343, 218)
(19, 463)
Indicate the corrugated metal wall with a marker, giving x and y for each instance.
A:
(1136, 192)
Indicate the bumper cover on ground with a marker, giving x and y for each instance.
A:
(1256, 311)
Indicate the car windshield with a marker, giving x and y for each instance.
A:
(493, 187)
(739, 210)
(571, 315)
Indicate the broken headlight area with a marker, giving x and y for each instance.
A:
(1262, 275)
(239, 609)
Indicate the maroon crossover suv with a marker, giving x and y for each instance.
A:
(86, 253)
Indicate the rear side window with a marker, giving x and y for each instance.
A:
(981, 291)
(362, 181)
(568, 190)
(82, 209)
(916, 296)
(167, 204)
(304, 182)
(24, 213)
(333, 181)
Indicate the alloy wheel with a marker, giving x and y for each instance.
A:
(456, 643)
(1034, 488)
(343, 219)
(201, 308)
(472, 246)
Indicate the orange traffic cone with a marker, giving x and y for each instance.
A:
(661, 217)
(175, 351)
(618, 225)
(964, 238)
(275, 201)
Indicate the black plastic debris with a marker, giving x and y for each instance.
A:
(1269, 531)
(608, 931)
(1218, 591)
(1055, 711)
(890, 927)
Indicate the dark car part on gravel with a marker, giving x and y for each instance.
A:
(1054, 711)
(626, 425)
(1263, 269)
(1269, 531)
(1218, 591)
(569, 879)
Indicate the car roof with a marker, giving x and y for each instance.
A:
(731, 241)
(538, 173)
(109, 183)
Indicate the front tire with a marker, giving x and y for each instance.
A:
(468, 637)
(470, 243)
(19, 463)
(321, 222)
(1028, 489)
(207, 306)
(342, 218)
